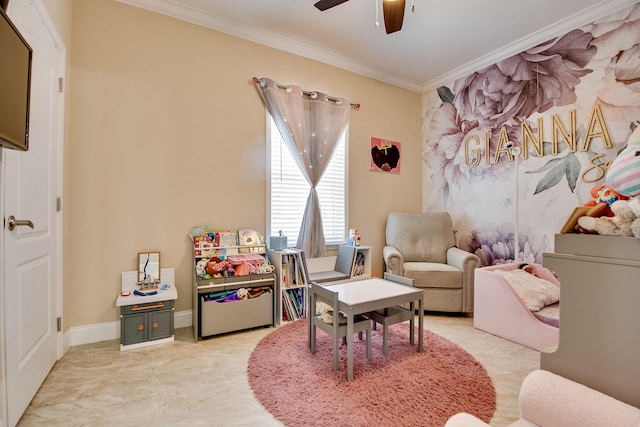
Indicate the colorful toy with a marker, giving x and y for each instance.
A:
(216, 266)
(248, 264)
(201, 269)
(603, 197)
(354, 237)
(624, 173)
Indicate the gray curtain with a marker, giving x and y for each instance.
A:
(310, 124)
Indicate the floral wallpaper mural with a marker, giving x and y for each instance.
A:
(513, 148)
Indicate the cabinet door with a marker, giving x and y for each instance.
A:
(133, 328)
(160, 324)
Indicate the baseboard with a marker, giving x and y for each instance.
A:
(89, 334)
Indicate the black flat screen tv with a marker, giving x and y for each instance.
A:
(15, 86)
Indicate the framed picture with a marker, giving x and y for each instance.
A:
(385, 156)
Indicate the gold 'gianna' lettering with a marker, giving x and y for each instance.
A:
(596, 118)
(597, 128)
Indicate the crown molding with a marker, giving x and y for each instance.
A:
(234, 28)
(578, 20)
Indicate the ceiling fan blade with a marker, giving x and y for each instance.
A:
(393, 11)
(328, 4)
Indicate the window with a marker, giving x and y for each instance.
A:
(288, 191)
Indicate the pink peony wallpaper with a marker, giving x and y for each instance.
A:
(567, 105)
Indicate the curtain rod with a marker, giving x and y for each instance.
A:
(313, 95)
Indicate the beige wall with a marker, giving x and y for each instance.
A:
(60, 13)
(166, 133)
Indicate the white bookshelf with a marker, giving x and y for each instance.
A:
(291, 284)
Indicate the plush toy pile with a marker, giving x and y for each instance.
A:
(224, 254)
(624, 222)
(619, 201)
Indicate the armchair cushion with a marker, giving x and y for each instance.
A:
(433, 275)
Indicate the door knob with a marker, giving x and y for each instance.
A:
(13, 222)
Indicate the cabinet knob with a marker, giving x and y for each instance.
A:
(140, 327)
(155, 325)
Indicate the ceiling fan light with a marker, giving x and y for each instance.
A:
(393, 12)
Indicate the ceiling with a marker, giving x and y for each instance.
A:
(441, 41)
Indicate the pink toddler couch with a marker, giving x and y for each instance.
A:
(547, 399)
(499, 311)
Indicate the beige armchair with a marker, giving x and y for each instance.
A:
(422, 247)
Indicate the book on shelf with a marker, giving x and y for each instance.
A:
(301, 303)
(358, 265)
(290, 309)
(227, 238)
(293, 271)
(302, 262)
(285, 311)
(292, 303)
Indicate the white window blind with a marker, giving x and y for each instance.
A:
(289, 191)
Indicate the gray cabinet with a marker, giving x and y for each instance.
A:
(599, 317)
(140, 323)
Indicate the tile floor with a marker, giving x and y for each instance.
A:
(205, 384)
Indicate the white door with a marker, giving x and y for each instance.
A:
(30, 182)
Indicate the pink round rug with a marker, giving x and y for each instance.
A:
(405, 388)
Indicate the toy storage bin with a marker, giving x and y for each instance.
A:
(222, 317)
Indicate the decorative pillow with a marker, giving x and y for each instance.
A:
(624, 173)
(533, 291)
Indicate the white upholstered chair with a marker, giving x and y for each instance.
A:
(422, 247)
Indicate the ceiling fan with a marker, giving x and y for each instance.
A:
(393, 11)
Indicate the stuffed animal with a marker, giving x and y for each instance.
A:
(620, 224)
(603, 197)
(201, 267)
(634, 204)
(243, 293)
(624, 173)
